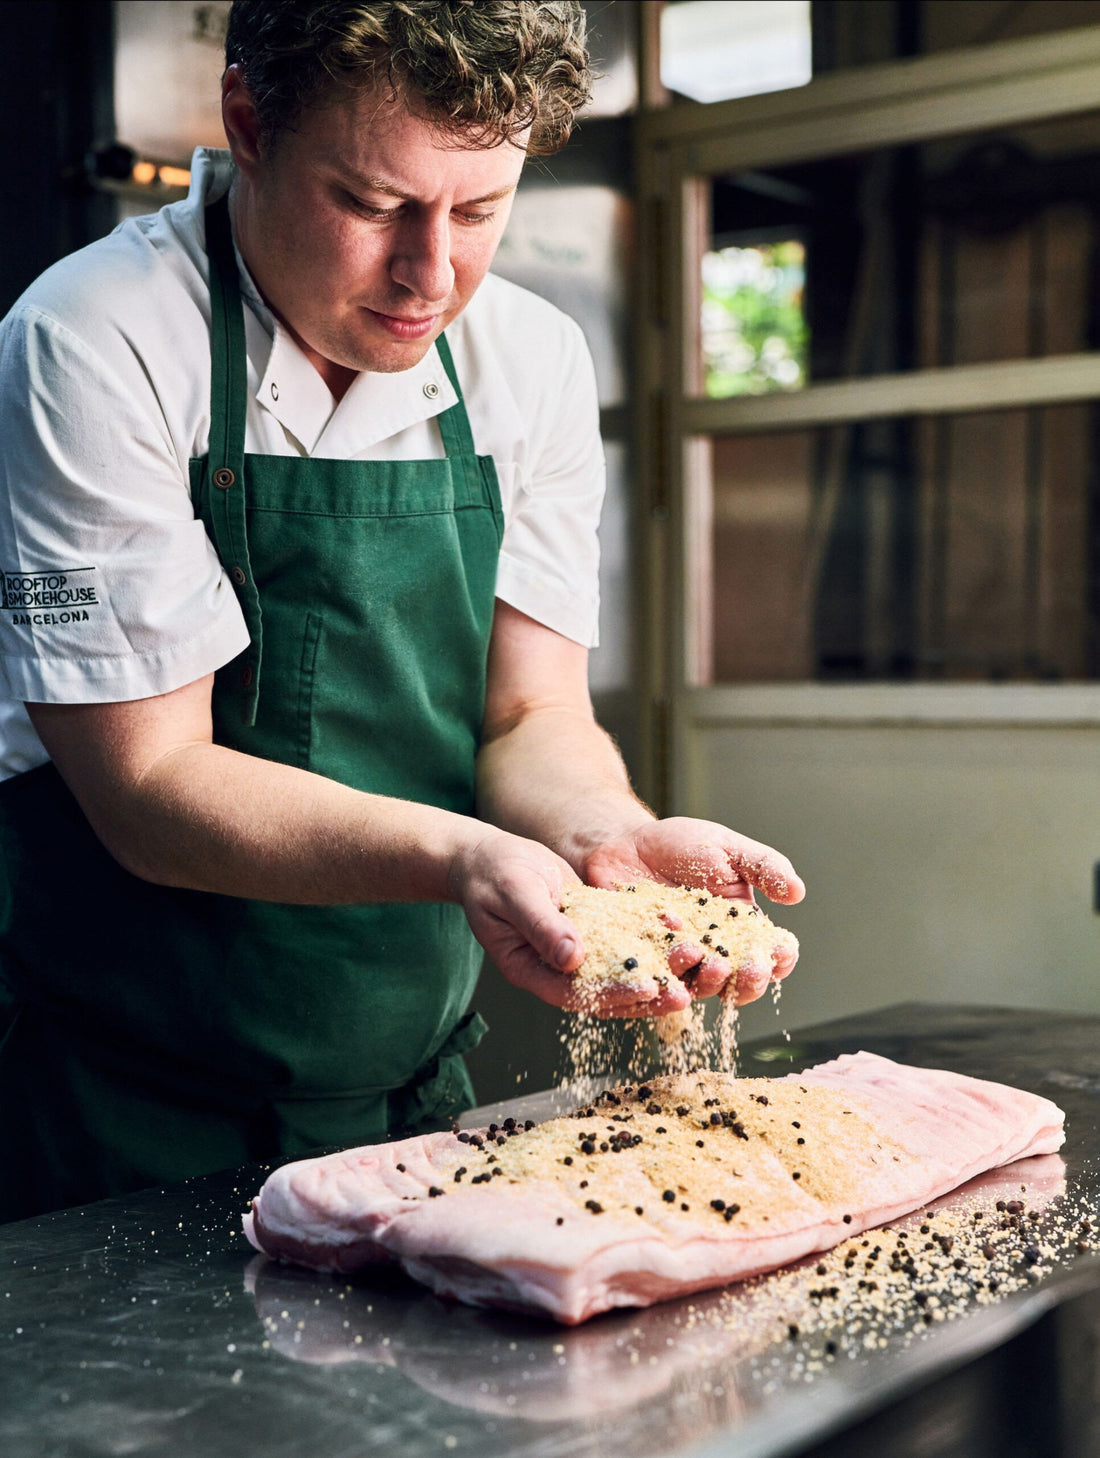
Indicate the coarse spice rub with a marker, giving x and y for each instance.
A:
(691, 1149)
(628, 932)
(1001, 1233)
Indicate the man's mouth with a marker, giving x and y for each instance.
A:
(404, 327)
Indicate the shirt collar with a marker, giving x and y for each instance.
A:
(375, 407)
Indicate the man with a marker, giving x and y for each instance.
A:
(298, 592)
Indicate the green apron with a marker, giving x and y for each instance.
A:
(151, 1033)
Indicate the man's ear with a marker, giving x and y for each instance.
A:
(242, 125)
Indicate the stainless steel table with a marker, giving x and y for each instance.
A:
(146, 1326)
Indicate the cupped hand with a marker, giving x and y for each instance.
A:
(682, 851)
(511, 890)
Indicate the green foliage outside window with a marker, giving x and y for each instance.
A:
(754, 329)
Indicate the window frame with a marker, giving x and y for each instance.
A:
(678, 148)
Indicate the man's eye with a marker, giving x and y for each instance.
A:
(475, 218)
(367, 211)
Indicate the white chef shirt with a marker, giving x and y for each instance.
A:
(110, 589)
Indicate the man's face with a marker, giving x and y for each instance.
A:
(367, 230)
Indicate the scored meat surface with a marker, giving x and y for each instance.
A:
(652, 1191)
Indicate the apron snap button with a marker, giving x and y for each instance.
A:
(224, 477)
(431, 389)
(238, 576)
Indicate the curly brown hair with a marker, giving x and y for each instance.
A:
(485, 69)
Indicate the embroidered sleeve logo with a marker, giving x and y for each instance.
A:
(54, 597)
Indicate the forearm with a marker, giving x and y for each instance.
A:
(208, 818)
(558, 778)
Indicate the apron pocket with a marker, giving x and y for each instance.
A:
(311, 643)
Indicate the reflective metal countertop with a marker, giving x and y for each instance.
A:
(147, 1326)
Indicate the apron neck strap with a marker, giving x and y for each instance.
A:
(454, 423)
(225, 483)
(229, 361)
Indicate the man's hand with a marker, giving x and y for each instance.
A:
(685, 852)
(510, 889)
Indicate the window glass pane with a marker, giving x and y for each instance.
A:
(713, 52)
(956, 252)
(753, 320)
(949, 548)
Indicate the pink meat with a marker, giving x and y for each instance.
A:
(527, 1246)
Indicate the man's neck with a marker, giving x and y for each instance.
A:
(337, 377)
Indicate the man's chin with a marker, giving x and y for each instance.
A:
(390, 356)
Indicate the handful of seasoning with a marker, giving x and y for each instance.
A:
(628, 933)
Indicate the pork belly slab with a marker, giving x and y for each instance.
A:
(652, 1191)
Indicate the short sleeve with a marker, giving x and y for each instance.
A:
(110, 588)
(549, 560)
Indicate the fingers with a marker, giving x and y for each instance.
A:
(786, 955)
(690, 852)
(758, 865)
(702, 974)
(747, 864)
(750, 982)
(521, 966)
(705, 975)
(674, 998)
(510, 890)
(549, 935)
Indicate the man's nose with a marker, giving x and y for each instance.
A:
(422, 259)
